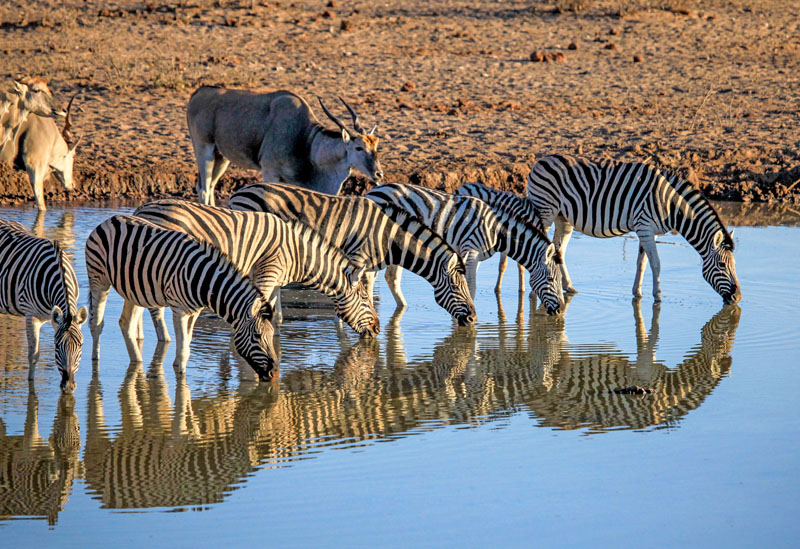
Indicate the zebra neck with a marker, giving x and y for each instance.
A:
(692, 216)
(413, 254)
(223, 290)
(519, 242)
(319, 266)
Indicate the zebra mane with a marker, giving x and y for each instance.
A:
(64, 259)
(687, 190)
(405, 220)
(221, 258)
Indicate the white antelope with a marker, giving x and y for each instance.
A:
(38, 147)
(30, 95)
(278, 134)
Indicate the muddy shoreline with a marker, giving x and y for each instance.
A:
(461, 91)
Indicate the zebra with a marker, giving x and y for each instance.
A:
(150, 266)
(612, 198)
(471, 227)
(275, 253)
(37, 281)
(368, 236)
(503, 203)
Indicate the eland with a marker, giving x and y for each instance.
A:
(278, 134)
(38, 147)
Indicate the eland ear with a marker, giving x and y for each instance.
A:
(19, 87)
(83, 314)
(372, 131)
(56, 315)
(345, 136)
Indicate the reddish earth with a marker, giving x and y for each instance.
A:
(461, 90)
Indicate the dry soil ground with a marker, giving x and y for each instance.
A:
(711, 88)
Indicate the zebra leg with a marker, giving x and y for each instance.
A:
(521, 271)
(561, 238)
(369, 284)
(648, 241)
(471, 265)
(277, 307)
(181, 321)
(32, 327)
(641, 264)
(129, 324)
(157, 315)
(501, 269)
(393, 276)
(98, 297)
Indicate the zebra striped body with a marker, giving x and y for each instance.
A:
(470, 226)
(37, 281)
(154, 267)
(275, 253)
(613, 198)
(503, 204)
(369, 237)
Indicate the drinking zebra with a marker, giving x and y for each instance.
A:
(368, 236)
(470, 226)
(613, 198)
(37, 281)
(154, 267)
(275, 253)
(503, 204)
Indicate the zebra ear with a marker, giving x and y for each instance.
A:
(717, 239)
(550, 252)
(56, 315)
(83, 314)
(265, 312)
(354, 273)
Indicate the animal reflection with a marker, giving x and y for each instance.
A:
(175, 449)
(36, 474)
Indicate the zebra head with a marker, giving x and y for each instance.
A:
(356, 308)
(68, 342)
(546, 278)
(252, 338)
(452, 293)
(719, 267)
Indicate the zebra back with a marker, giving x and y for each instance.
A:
(466, 223)
(503, 203)
(249, 238)
(355, 224)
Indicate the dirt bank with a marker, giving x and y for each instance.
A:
(457, 87)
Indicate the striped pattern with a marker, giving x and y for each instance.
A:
(37, 281)
(368, 236)
(471, 227)
(503, 204)
(613, 198)
(274, 252)
(154, 267)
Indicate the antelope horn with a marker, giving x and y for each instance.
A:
(354, 116)
(336, 120)
(67, 131)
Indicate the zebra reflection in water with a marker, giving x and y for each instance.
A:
(192, 451)
(37, 474)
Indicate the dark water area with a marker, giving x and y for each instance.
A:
(509, 433)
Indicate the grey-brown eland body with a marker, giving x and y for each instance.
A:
(278, 134)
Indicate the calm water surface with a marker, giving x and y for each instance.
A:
(509, 433)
